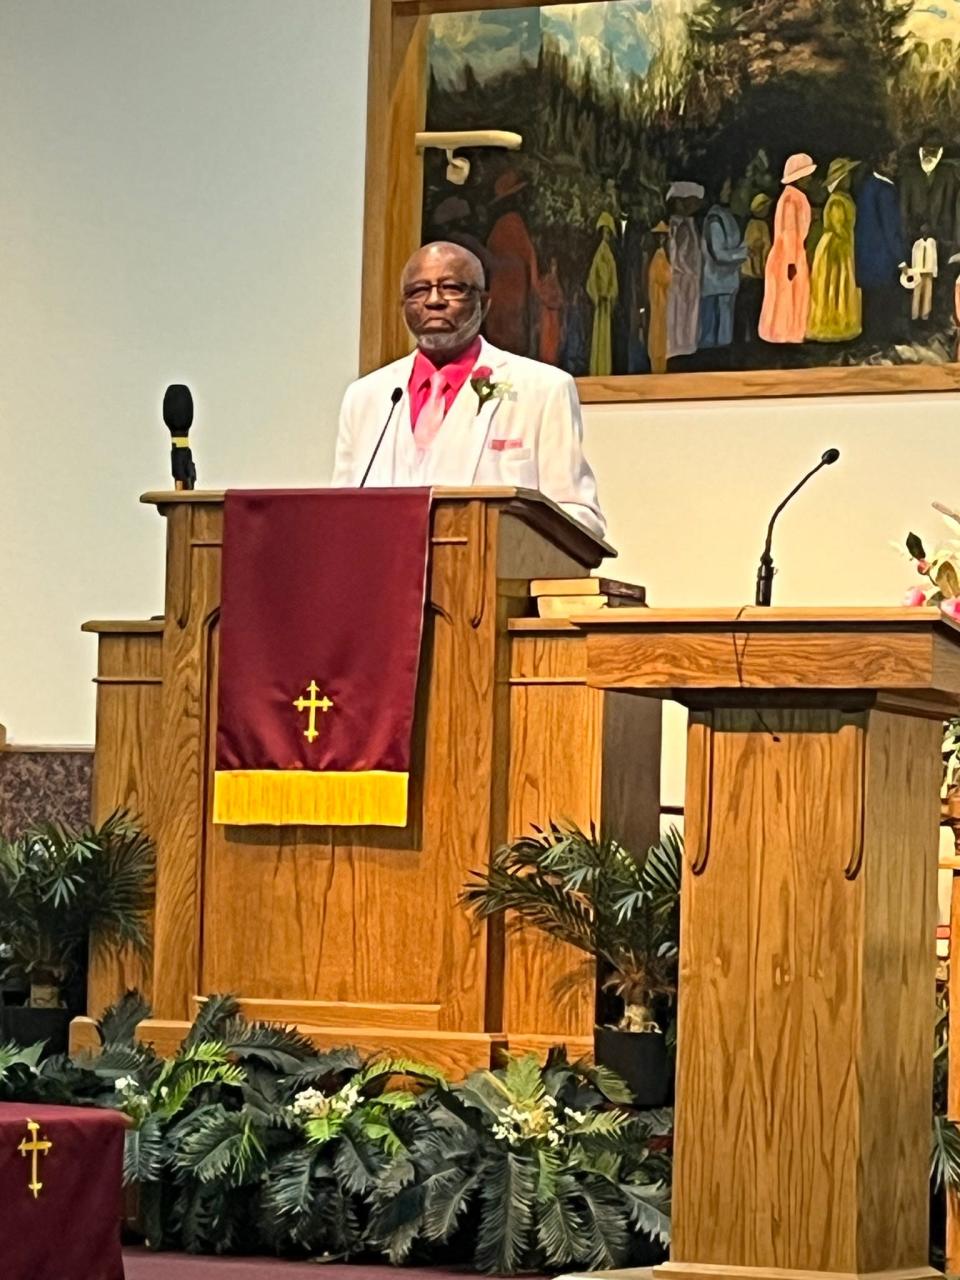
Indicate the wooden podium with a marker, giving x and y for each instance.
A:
(808, 934)
(355, 934)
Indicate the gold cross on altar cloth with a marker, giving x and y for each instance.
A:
(312, 704)
(33, 1148)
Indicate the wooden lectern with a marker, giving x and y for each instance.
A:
(807, 969)
(355, 934)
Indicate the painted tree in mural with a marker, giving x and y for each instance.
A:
(795, 75)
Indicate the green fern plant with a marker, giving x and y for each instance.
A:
(535, 1164)
(594, 894)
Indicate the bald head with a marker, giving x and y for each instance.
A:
(452, 260)
(444, 298)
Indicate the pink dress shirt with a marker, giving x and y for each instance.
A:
(457, 372)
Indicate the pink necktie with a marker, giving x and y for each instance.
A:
(431, 415)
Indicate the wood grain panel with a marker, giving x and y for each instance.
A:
(454, 1054)
(128, 720)
(806, 1007)
(898, 989)
(396, 110)
(332, 1013)
(192, 599)
(576, 1046)
(670, 660)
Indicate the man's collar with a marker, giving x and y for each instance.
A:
(424, 367)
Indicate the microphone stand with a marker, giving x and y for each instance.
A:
(766, 571)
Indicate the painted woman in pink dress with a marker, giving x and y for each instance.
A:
(786, 292)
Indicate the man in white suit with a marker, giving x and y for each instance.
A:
(462, 412)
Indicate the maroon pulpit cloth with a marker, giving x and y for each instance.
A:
(61, 1202)
(321, 621)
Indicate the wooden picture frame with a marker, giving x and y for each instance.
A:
(396, 110)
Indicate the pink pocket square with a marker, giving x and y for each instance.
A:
(503, 443)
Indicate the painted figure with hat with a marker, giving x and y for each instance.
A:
(659, 276)
(786, 293)
(603, 289)
(513, 271)
(686, 265)
(835, 304)
(459, 410)
(757, 242)
(723, 253)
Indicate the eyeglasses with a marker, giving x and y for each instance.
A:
(448, 290)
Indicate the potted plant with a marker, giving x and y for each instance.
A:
(62, 892)
(623, 912)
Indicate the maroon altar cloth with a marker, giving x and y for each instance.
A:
(60, 1206)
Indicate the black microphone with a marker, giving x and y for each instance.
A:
(178, 415)
(766, 570)
(395, 397)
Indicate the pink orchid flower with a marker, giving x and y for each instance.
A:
(915, 597)
(951, 607)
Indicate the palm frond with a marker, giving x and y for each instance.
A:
(649, 1209)
(560, 1232)
(216, 1012)
(507, 1195)
(118, 1022)
(217, 1145)
(945, 1154)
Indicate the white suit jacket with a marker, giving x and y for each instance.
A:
(529, 436)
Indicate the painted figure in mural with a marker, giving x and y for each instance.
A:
(659, 274)
(602, 290)
(929, 191)
(575, 352)
(835, 304)
(723, 253)
(817, 194)
(880, 251)
(686, 262)
(552, 304)
(924, 264)
(756, 239)
(757, 180)
(634, 255)
(786, 295)
(513, 270)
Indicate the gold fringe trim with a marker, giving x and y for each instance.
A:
(294, 797)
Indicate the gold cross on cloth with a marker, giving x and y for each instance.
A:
(33, 1148)
(312, 705)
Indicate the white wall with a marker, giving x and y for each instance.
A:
(181, 187)
(182, 201)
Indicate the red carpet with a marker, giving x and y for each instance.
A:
(141, 1264)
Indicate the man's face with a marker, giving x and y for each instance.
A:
(443, 299)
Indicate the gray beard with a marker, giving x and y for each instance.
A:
(454, 341)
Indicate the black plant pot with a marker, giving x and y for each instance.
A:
(640, 1058)
(26, 1026)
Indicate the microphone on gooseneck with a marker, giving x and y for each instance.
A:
(178, 415)
(395, 397)
(766, 570)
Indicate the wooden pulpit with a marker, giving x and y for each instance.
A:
(355, 934)
(807, 970)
